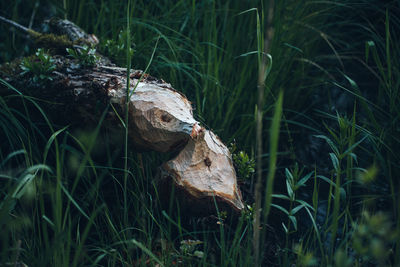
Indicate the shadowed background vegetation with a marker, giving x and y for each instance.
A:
(336, 189)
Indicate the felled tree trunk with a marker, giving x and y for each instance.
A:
(204, 170)
(160, 119)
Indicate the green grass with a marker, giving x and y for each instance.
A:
(68, 198)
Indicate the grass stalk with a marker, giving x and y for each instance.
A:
(273, 151)
(336, 207)
(127, 101)
(263, 48)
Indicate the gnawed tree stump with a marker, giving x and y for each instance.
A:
(160, 119)
(204, 169)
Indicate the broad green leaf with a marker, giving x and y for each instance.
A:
(280, 196)
(304, 180)
(280, 208)
(285, 228)
(294, 221)
(329, 181)
(289, 175)
(289, 189)
(330, 143)
(335, 161)
(296, 209)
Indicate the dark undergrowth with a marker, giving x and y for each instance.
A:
(330, 183)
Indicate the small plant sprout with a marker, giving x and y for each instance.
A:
(222, 216)
(188, 251)
(116, 49)
(188, 246)
(40, 65)
(85, 55)
(249, 212)
(244, 165)
(293, 182)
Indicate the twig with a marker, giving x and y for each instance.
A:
(19, 26)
